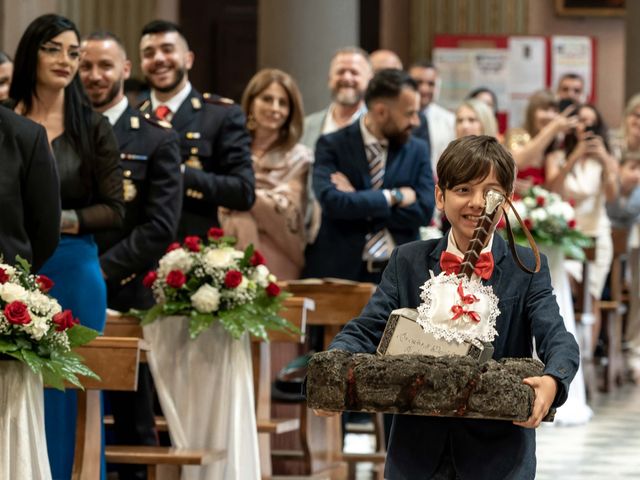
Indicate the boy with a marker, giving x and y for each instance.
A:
(452, 448)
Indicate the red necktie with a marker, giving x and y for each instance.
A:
(450, 264)
(162, 111)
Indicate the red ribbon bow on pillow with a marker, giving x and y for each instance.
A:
(450, 264)
(458, 310)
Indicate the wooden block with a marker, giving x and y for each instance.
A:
(148, 455)
(421, 385)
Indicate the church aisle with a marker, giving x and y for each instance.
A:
(607, 447)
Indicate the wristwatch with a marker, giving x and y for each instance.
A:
(397, 196)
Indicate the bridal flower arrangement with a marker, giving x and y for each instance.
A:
(551, 221)
(211, 281)
(35, 330)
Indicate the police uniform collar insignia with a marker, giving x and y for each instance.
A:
(196, 103)
(145, 105)
(135, 123)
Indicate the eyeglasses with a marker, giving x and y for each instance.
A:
(52, 50)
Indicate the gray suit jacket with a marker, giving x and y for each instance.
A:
(312, 128)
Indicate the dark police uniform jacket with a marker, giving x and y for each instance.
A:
(216, 150)
(29, 191)
(152, 185)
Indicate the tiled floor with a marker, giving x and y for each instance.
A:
(607, 448)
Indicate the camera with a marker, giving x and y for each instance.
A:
(566, 102)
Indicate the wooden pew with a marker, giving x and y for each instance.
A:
(152, 456)
(337, 301)
(296, 310)
(115, 360)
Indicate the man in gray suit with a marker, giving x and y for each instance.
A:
(349, 74)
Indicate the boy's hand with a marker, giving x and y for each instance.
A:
(324, 413)
(545, 389)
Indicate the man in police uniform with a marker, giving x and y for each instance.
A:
(214, 142)
(150, 159)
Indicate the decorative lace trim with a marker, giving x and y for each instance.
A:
(458, 309)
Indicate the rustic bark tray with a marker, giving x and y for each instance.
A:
(448, 386)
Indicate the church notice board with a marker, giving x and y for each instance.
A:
(513, 67)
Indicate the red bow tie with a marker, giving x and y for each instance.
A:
(450, 264)
(162, 111)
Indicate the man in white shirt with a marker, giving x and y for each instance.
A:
(150, 159)
(440, 121)
(214, 141)
(349, 74)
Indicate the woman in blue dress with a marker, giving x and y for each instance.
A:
(46, 89)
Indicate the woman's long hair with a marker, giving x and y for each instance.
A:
(77, 110)
(599, 128)
(291, 130)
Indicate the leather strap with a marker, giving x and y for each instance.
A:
(512, 240)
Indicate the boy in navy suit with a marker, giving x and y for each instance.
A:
(457, 448)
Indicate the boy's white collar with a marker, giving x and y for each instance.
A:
(452, 246)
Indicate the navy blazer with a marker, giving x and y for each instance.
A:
(29, 192)
(150, 159)
(212, 131)
(347, 217)
(480, 449)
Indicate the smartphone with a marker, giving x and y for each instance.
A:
(564, 103)
(590, 128)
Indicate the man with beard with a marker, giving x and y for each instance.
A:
(436, 123)
(151, 161)
(214, 141)
(349, 73)
(373, 180)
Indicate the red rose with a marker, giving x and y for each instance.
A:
(215, 233)
(528, 223)
(273, 290)
(44, 283)
(4, 278)
(17, 313)
(232, 279)
(256, 259)
(172, 247)
(540, 201)
(64, 320)
(571, 223)
(192, 242)
(149, 278)
(176, 279)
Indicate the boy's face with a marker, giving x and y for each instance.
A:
(463, 205)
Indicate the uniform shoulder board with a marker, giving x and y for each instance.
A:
(217, 99)
(155, 122)
(144, 105)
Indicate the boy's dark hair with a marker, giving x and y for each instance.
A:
(472, 158)
(387, 83)
(162, 26)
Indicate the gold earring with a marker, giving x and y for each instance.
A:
(251, 122)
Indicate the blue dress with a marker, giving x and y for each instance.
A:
(91, 185)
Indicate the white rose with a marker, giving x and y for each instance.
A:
(220, 257)
(10, 292)
(8, 269)
(539, 215)
(261, 276)
(568, 212)
(206, 299)
(178, 259)
(529, 202)
(244, 284)
(37, 328)
(39, 303)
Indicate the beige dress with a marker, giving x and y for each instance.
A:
(275, 223)
(584, 185)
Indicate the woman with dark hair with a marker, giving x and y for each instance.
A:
(46, 89)
(586, 173)
(275, 224)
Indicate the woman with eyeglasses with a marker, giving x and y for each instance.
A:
(46, 89)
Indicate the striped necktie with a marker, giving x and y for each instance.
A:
(375, 157)
(378, 245)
